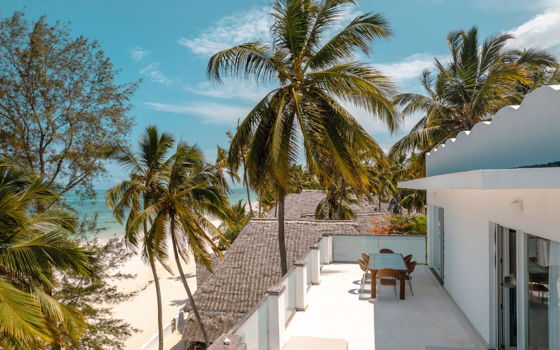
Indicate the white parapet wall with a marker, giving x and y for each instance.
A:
(349, 248)
(516, 136)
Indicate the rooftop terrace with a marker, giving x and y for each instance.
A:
(427, 320)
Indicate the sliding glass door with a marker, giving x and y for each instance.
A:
(543, 260)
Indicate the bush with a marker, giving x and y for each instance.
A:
(393, 224)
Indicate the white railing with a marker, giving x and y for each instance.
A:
(349, 248)
(168, 330)
(263, 328)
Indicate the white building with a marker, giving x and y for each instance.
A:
(493, 198)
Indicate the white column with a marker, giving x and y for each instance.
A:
(324, 248)
(315, 264)
(276, 317)
(329, 249)
(301, 285)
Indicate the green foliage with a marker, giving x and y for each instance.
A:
(238, 219)
(35, 249)
(407, 225)
(61, 110)
(479, 80)
(393, 224)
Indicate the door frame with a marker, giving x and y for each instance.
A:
(521, 290)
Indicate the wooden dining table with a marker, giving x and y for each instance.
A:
(392, 261)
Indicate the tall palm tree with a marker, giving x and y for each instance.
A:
(34, 248)
(476, 82)
(149, 168)
(240, 159)
(192, 191)
(223, 169)
(315, 71)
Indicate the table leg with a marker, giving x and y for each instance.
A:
(373, 283)
(402, 285)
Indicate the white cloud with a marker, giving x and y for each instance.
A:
(244, 90)
(138, 53)
(246, 26)
(153, 73)
(542, 31)
(408, 68)
(212, 113)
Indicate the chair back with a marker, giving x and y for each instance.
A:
(363, 265)
(388, 273)
(365, 257)
(410, 267)
(407, 259)
(386, 251)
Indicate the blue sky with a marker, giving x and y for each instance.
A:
(168, 43)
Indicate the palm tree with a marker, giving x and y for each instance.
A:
(313, 78)
(149, 167)
(191, 192)
(476, 82)
(240, 159)
(34, 249)
(223, 169)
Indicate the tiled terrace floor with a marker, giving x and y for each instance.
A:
(427, 320)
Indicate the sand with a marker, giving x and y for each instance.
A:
(141, 311)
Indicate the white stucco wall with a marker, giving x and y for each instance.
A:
(466, 219)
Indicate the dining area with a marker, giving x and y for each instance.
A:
(387, 268)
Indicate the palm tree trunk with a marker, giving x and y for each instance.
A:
(260, 207)
(281, 236)
(184, 280)
(379, 203)
(159, 306)
(248, 192)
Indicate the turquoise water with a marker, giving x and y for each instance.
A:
(90, 207)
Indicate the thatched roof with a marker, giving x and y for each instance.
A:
(250, 267)
(302, 206)
(252, 264)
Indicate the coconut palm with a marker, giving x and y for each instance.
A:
(313, 66)
(240, 160)
(149, 168)
(223, 169)
(34, 248)
(191, 193)
(476, 82)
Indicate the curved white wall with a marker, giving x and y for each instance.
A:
(517, 136)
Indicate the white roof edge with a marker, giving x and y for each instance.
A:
(492, 179)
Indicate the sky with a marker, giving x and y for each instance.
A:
(167, 44)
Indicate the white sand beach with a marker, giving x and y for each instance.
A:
(141, 311)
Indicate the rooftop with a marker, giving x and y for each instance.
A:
(427, 320)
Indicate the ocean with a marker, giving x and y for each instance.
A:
(105, 219)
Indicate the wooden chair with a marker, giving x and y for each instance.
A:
(388, 277)
(365, 257)
(407, 259)
(408, 276)
(386, 251)
(366, 273)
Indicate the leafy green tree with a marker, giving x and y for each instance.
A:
(61, 110)
(191, 193)
(314, 71)
(34, 249)
(128, 200)
(478, 81)
(238, 219)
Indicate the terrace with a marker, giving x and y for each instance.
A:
(319, 298)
